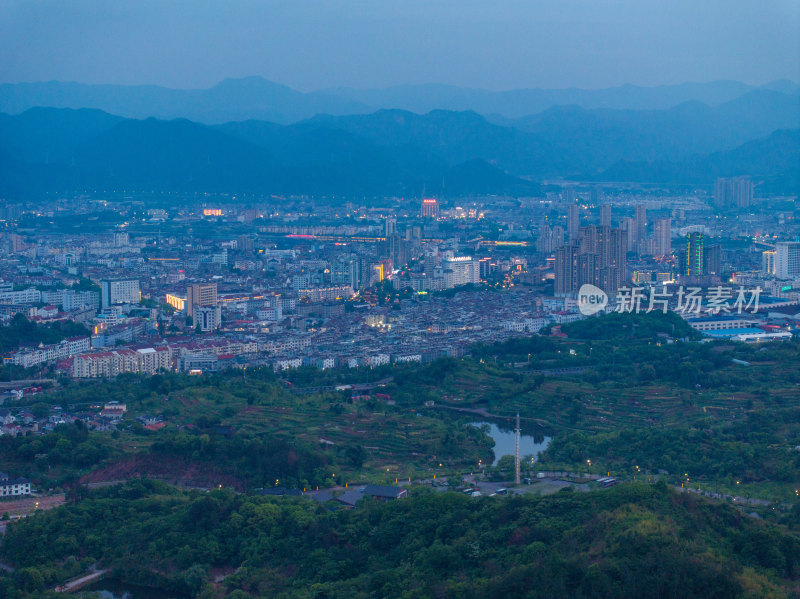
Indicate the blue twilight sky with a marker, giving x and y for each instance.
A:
(313, 44)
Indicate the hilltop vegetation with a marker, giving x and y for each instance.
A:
(241, 431)
(630, 325)
(632, 541)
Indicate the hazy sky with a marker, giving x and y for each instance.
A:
(312, 44)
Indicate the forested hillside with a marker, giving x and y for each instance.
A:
(632, 541)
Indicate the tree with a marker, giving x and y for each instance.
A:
(29, 579)
(355, 455)
(506, 464)
(195, 577)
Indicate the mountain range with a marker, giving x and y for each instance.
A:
(394, 151)
(775, 160)
(260, 99)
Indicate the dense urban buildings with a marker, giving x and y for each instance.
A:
(306, 282)
(733, 193)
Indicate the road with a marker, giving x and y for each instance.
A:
(553, 371)
(485, 414)
(351, 387)
(22, 507)
(78, 583)
(25, 383)
(734, 498)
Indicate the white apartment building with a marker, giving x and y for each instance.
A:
(720, 323)
(460, 270)
(25, 296)
(287, 363)
(208, 318)
(522, 325)
(120, 291)
(787, 259)
(378, 360)
(324, 294)
(112, 363)
(152, 360)
(408, 358)
(9, 488)
(271, 314)
(50, 353)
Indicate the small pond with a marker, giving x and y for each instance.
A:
(529, 445)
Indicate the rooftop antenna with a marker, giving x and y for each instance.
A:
(516, 451)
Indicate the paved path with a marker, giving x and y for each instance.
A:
(483, 412)
(350, 387)
(79, 583)
(734, 498)
(25, 383)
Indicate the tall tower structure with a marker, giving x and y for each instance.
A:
(694, 254)
(390, 226)
(605, 215)
(663, 236)
(641, 222)
(517, 432)
(573, 221)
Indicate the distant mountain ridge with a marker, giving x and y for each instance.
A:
(521, 102)
(570, 141)
(260, 99)
(229, 100)
(774, 160)
(395, 152)
(38, 153)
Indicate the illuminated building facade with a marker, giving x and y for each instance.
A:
(430, 208)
